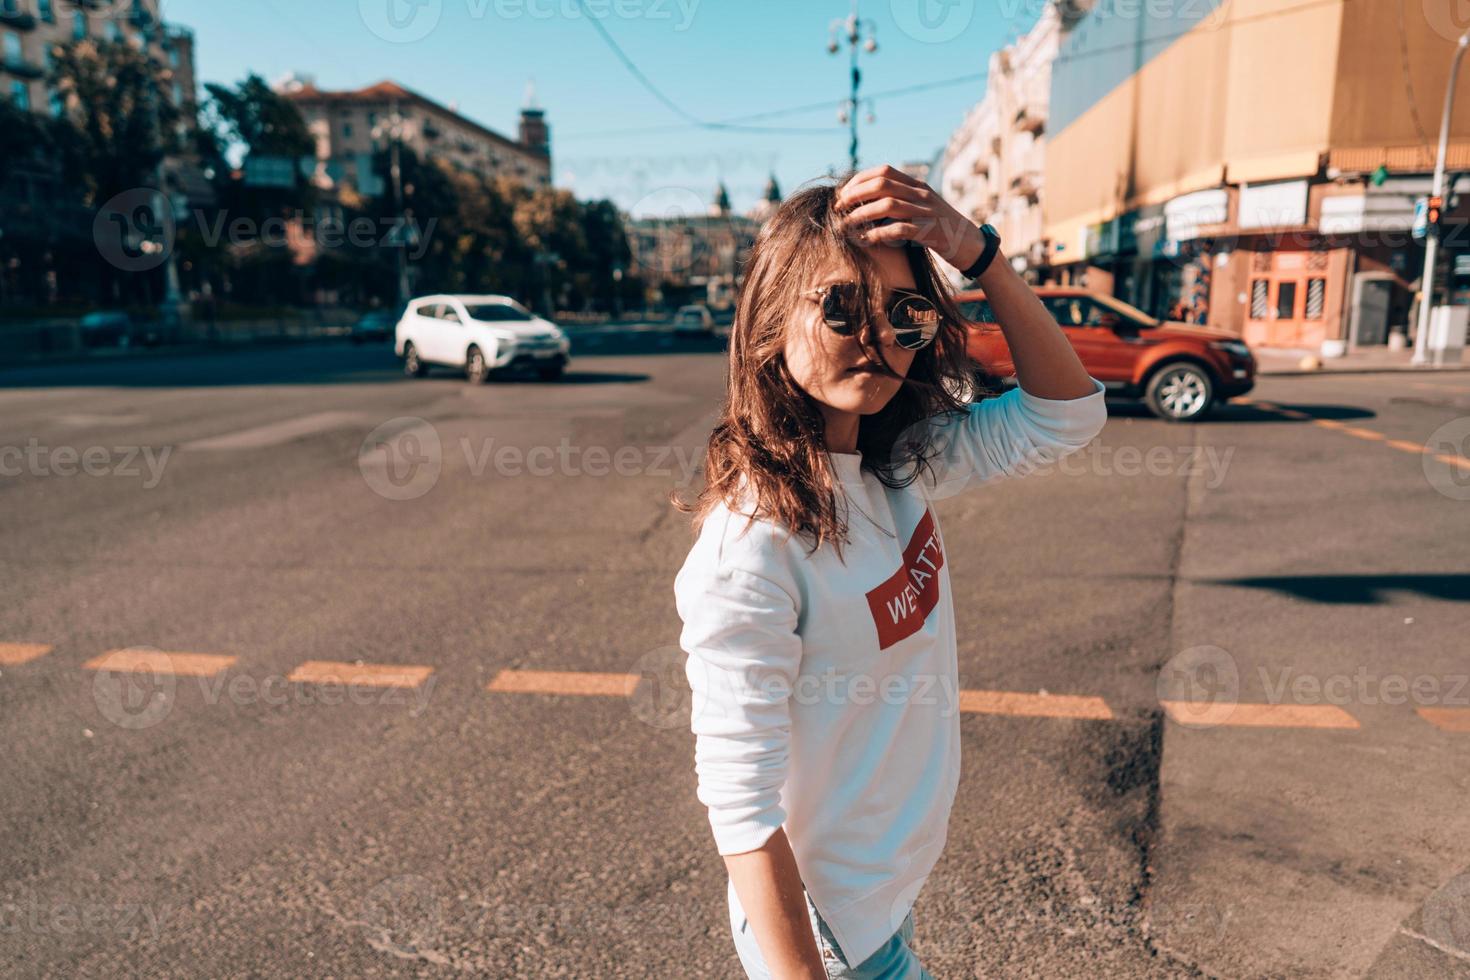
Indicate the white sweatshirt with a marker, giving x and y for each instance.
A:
(826, 693)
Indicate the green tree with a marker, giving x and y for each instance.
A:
(121, 125)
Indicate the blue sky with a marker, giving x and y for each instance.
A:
(715, 59)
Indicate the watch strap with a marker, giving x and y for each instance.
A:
(987, 254)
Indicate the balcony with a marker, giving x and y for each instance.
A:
(1031, 118)
(1027, 183)
(980, 167)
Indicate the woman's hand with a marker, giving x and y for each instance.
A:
(915, 211)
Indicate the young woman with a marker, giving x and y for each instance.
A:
(816, 602)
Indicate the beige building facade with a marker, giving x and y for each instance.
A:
(1253, 164)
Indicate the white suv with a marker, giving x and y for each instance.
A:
(478, 335)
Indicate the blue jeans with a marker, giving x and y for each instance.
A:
(894, 960)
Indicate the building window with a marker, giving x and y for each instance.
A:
(58, 104)
(79, 26)
(347, 131)
(14, 54)
(47, 12)
(114, 31)
(1316, 298)
(1259, 290)
(174, 60)
(20, 94)
(178, 94)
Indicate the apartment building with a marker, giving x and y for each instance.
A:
(350, 127)
(992, 167)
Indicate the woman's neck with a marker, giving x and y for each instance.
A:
(840, 430)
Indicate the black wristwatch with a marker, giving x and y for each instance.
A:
(987, 254)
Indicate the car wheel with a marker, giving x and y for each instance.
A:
(412, 365)
(1180, 392)
(476, 371)
(551, 373)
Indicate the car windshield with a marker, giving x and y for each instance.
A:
(495, 311)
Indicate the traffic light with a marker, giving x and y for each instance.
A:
(1433, 213)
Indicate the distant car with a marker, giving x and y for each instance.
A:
(1179, 370)
(374, 325)
(478, 335)
(695, 318)
(107, 328)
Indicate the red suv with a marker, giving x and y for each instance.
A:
(1179, 370)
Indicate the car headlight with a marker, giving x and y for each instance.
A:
(1236, 347)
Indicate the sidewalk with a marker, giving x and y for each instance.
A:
(1290, 361)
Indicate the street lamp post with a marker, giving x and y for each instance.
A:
(393, 129)
(852, 27)
(1431, 243)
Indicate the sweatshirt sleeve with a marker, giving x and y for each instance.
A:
(1009, 435)
(744, 653)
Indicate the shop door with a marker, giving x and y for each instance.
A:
(1286, 300)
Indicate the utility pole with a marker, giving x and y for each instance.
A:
(851, 28)
(1431, 242)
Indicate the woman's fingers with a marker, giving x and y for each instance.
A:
(896, 232)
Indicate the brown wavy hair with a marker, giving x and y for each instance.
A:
(770, 434)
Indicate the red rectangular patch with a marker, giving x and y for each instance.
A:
(901, 604)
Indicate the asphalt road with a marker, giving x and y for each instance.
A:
(1275, 574)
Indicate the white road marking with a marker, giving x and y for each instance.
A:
(277, 433)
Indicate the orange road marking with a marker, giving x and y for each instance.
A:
(563, 682)
(1034, 705)
(1292, 413)
(158, 662)
(15, 654)
(1447, 719)
(1405, 445)
(1204, 714)
(1329, 423)
(1459, 461)
(370, 675)
(1349, 430)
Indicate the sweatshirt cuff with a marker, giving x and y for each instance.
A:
(1061, 407)
(741, 834)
